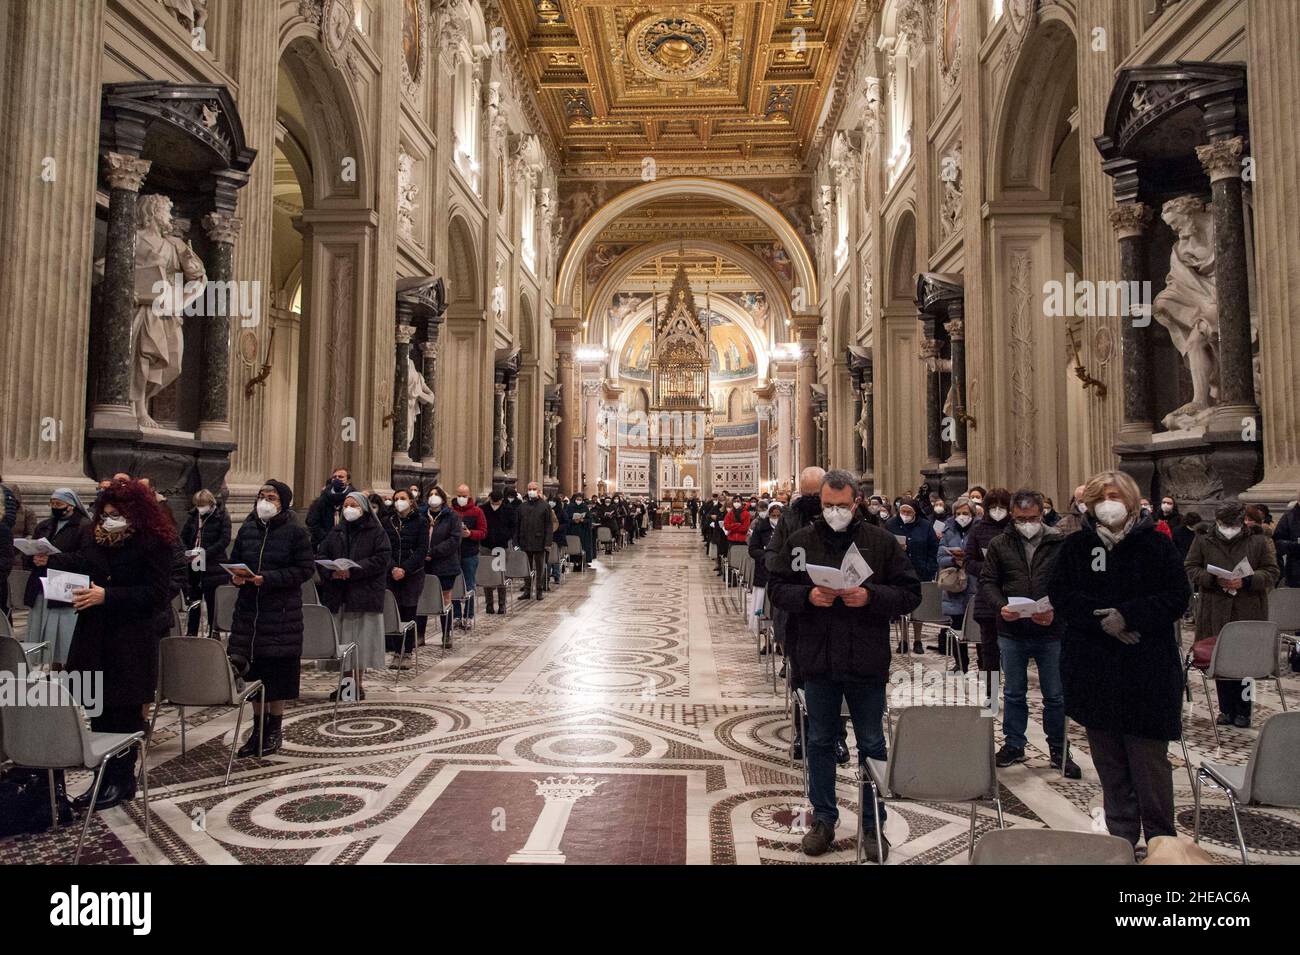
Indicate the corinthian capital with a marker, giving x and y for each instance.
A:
(222, 228)
(1222, 159)
(125, 172)
(1130, 219)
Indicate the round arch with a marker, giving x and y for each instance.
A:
(462, 269)
(723, 306)
(805, 273)
(526, 332)
(901, 266)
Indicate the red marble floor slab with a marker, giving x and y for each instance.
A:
(628, 820)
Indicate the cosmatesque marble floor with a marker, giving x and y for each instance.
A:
(626, 718)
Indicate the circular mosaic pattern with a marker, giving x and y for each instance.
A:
(580, 743)
(640, 629)
(675, 47)
(368, 729)
(783, 817)
(320, 807)
(615, 659)
(1264, 831)
(584, 746)
(629, 643)
(610, 680)
(318, 810)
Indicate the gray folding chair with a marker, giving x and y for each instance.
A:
(1051, 847)
(395, 626)
(574, 544)
(309, 593)
(1284, 610)
(518, 568)
(1271, 776)
(430, 604)
(488, 579)
(198, 673)
(463, 600)
(320, 641)
(1245, 650)
(936, 754)
(17, 584)
(223, 609)
(605, 536)
(25, 649)
(56, 736)
(731, 562)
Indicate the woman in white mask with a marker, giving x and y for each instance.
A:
(952, 558)
(405, 526)
(206, 538)
(995, 520)
(356, 595)
(1120, 590)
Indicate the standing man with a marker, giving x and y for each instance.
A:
(326, 511)
(473, 531)
(841, 642)
(536, 525)
(693, 510)
(501, 528)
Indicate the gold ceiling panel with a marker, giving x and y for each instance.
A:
(690, 82)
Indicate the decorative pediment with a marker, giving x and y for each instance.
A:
(934, 290)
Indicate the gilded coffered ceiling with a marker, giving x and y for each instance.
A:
(685, 83)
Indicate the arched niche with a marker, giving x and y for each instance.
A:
(901, 265)
(462, 265)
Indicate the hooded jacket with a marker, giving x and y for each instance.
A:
(365, 542)
(736, 524)
(502, 525)
(978, 539)
(268, 619)
(922, 544)
(326, 512)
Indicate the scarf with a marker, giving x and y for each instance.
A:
(1109, 537)
(112, 538)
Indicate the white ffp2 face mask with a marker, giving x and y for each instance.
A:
(1111, 513)
(113, 522)
(998, 514)
(1029, 530)
(351, 513)
(838, 518)
(963, 520)
(266, 510)
(1229, 532)
(402, 505)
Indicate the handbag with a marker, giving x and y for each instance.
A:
(1202, 651)
(953, 580)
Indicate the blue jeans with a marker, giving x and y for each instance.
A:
(867, 709)
(1016, 654)
(469, 570)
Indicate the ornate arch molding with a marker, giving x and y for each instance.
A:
(902, 285)
(723, 306)
(462, 266)
(1031, 102)
(528, 331)
(805, 273)
(778, 302)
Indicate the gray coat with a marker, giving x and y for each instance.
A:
(1217, 606)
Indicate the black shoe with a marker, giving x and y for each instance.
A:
(271, 739)
(918, 647)
(869, 850)
(1241, 722)
(1008, 756)
(762, 649)
(841, 752)
(114, 792)
(818, 839)
(250, 745)
(796, 751)
(901, 648)
(525, 596)
(1223, 719)
(1072, 770)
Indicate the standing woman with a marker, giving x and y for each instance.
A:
(580, 520)
(266, 628)
(405, 527)
(994, 521)
(53, 623)
(1120, 589)
(126, 549)
(762, 529)
(952, 553)
(922, 548)
(206, 532)
(441, 553)
(356, 595)
(1225, 543)
(560, 536)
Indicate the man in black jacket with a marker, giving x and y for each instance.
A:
(536, 524)
(1286, 541)
(326, 511)
(840, 641)
(1019, 563)
(502, 526)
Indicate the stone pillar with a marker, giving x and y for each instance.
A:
(428, 417)
(509, 463)
(565, 432)
(110, 344)
(785, 431)
(591, 431)
(933, 401)
(402, 350)
(214, 386)
(956, 329)
(1130, 221)
(1222, 161)
(869, 450)
(806, 330)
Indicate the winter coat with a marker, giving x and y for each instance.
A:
(212, 533)
(442, 539)
(1286, 541)
(67, 540)
(1007, 572)
(326, 513)
(1134, 689)
(471, 516)
(762, 531)
(922, 545)
(120, 636)
(954, 538)
(978, 538)
(406, 550)
(6, 558)
(1217, 606)
(365, 542)
(1183, 537)
(802, 511)
(736, 525)
(842, 643)
(268, 619)
(501, 527)
(536, 523)
(560, 536)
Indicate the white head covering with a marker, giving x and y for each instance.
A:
(68, 496)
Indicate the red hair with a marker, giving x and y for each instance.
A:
(139, 505)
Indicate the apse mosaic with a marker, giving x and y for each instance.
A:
(731, 354)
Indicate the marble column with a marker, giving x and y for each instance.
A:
(428, 417)
(509, 464)
(1130, 221)
(214, 386)
(591, 435)
(869, 447)
(933, 401)
(1222, 161)
(402, 350)
(110, 345)
(543, 845)
(785, 432)
(956, 329)
(564, 430)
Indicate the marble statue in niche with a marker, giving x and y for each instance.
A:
(863, 428)
(417, 393)
(407, 192)
(193, 14)
(1188, 306)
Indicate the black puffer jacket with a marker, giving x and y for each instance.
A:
(842, 643)
(366, 543)
(760, 533)
(213, 535)
(268, 619)
(406, 544)
(501, 525)
(442, 539)
(66, 540)
(1007, 573)
(1125, 688)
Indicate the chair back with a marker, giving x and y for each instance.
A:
(1273, 771)
(736, 554)
(392, 618)
(309, 593)
(49, 736)
(604, 534)
(930, 609)
(18, 588)
(194, 672)
(942, 753)
(320, 634)
(458, 591)
(430, 601)
(11, 655)
(516, 565)
(223, 607)
(1245, 648)
(970, 630)
(574, 543)
(488, 576)
(1284, 608)
(1022, 846)
(6, 628)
